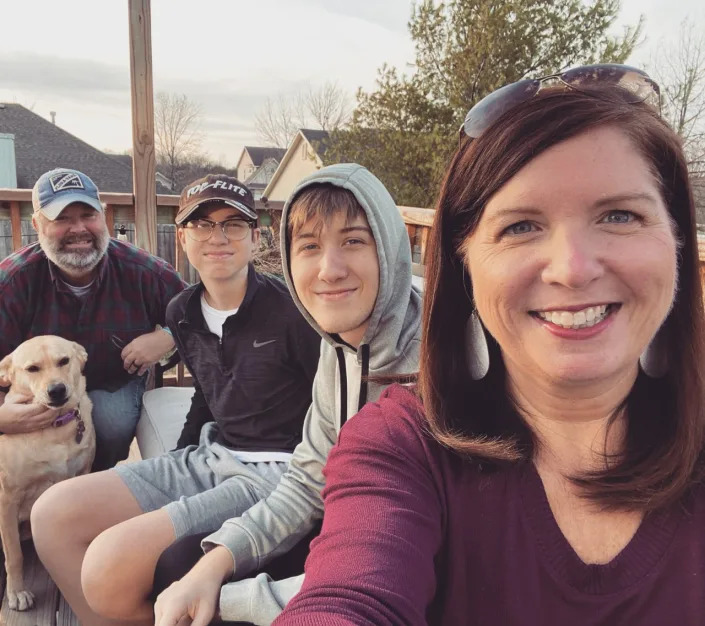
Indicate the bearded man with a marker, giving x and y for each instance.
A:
(107, 295)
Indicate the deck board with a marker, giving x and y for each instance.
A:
(46, 595)
(64, 614)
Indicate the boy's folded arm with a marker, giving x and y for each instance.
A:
(274, 525)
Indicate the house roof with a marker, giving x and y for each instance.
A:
(41, 146)
(126, 160)
(258, 154)
(263, 174)
(318, 139)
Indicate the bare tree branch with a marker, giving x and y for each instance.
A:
(278, 121)
(327, 107)
(176, 132)
(680, 70)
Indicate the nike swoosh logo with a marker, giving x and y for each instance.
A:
(256, 344)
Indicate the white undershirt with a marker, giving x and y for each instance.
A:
(261, 457)
(215, 319)
(79, 292)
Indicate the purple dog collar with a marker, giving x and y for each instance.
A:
(64, 419)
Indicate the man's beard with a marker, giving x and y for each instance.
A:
(75, 260)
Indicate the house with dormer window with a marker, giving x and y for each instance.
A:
(303, 157)
(253, 158)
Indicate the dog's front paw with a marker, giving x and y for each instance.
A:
(20, 600)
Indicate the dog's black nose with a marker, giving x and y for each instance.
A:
(56, 391)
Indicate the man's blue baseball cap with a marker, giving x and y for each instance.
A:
(56, 189)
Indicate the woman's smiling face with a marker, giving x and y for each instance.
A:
(573, 262)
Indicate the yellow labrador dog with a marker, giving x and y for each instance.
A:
(49, 369)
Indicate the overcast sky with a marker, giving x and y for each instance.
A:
(72, 57)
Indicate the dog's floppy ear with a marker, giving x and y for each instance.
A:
(5, 367)
(81, 353)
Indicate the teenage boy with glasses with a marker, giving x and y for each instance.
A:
(253, 357)
(347, 260)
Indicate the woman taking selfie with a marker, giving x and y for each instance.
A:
(547, 470)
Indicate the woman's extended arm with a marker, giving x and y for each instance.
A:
(374, 560)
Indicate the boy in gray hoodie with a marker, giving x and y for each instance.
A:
(347, 263)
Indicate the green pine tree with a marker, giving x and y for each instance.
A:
(406, 129)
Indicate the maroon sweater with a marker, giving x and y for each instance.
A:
(414, 535)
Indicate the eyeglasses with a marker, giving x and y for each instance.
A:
(233, 229)
(481, 116)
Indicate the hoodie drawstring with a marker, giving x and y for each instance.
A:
(343, 386)
(365, 373)
(365, 349)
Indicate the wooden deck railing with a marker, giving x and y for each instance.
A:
(16, 205)
(418, 225)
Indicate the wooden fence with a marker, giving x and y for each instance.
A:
(166, 241)
(16, 228)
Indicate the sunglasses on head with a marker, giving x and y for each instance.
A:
(491, 107)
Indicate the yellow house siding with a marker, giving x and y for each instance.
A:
(245, 166)
(299, 162)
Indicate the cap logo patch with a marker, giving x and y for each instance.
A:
(217, 184)
(66, 180)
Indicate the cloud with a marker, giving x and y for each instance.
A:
(80, 78)
(104, 84)
(227, 107)
(390, 14)
(225, 98)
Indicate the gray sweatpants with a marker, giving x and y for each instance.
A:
(200, 486)
(257, 600)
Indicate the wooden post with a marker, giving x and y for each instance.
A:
(425, 231)
(411, 231)
(16, 223)
(180, 256)
(143, 158)
(110, 219)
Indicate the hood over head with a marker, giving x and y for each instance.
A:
(396, 317)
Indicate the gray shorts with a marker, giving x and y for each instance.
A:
(200, 487)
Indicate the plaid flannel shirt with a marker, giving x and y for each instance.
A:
(127, 299)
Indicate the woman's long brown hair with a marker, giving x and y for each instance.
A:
(665, 438)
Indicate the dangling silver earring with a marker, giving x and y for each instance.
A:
(653, 360)
(476, 350)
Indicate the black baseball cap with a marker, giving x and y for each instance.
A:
(216, 188)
